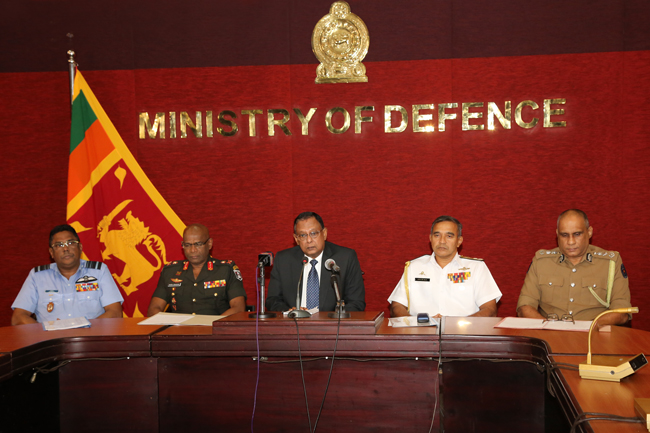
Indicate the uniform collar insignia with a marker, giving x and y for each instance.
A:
(561, 258)
(589, 257)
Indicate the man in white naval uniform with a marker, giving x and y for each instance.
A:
(445, 283)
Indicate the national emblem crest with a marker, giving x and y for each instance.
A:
(340, 42)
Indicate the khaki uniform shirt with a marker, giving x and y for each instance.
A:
(554, 285)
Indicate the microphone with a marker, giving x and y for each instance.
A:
(293, 314)
(331, 265)
(608, 368)
(339, 311)
(265, 258)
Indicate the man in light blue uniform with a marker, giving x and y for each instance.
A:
(69, 287)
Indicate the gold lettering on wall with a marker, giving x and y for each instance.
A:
(443, 115)
(227, 122)
(158, 124)
(466, 115)
(417, 118)
(172, 124)
(388, 118)
(548, 113)
(474, 116)
(187, 122)
(304, 120)
(281, 123)
(208, 124)
(518, 114)
(251, 121)
(346, 120)
(358, 118)
(504, 119)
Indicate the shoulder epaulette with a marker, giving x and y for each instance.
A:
(471, 258)
(175, 262)
(547, 253)
(610, 255)
(41, 268)
(93, 265)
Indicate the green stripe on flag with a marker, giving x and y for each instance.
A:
(82, 117)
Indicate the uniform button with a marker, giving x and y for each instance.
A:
(195, 283)
(193, 314)
(573, 284)
(571, 312)
(570, 299)
(550, 284)
(215, 294)
(193, 300)
(594, 285)
(69, 314)
(573, 270)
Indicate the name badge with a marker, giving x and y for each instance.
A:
(423, 279)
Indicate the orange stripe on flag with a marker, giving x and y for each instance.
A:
(86, 157)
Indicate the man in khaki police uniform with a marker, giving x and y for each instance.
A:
(576, 278)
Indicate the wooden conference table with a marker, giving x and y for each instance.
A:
(467, 376)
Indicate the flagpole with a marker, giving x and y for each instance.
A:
(71, 68)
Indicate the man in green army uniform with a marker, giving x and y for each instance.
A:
(200, 284)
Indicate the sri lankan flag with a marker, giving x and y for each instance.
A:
(121, 218)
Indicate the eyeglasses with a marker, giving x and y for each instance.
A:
(57, 245)
(188, 245)
(303, 236)
(555, 318)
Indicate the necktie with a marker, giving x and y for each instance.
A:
(312, 286)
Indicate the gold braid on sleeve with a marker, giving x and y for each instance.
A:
(406, 286)
(610, 284)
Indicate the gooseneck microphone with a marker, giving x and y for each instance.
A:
(339, 311)
(298, 313)
(331, 265)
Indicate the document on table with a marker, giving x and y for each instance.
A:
(180, 319)
(410, 321)
(554, 325)
(75, 322)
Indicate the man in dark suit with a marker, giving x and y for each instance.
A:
(305, 264)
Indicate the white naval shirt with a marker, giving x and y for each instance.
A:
(458, 289)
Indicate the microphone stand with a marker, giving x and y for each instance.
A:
(339, 312)
(298, 313)
(262, 313)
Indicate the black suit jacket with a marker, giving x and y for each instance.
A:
(288, 268)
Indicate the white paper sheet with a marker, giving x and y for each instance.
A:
(180, 319)
(75, 322)
(556, 325)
